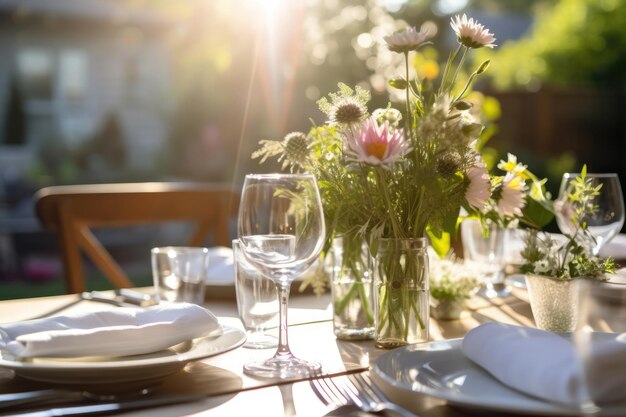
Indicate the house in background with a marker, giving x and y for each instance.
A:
(76, 77)
(75, 64)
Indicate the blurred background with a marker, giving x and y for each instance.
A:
(95, 91)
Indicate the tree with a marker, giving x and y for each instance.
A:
(15, 118)
(575, 43)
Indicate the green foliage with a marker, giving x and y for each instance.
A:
(570, 259)
(575, 43)
(451, 281)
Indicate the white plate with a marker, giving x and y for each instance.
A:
(440, 370)
(106, 370)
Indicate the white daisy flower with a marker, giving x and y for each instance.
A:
(408, 39)
(478, 190)
(471, 33)
(512, 200)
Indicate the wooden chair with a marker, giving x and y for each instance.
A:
(72, 211)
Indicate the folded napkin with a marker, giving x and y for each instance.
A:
(545, 365)
(119, 332)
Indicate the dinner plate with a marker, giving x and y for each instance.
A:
(106, 370)
(440, 370)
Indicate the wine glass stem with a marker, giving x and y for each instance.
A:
(283, 351)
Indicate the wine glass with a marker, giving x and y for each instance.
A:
(486, 252)
(281, 233)
(605, 222)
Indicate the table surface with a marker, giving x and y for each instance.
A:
(229, 392)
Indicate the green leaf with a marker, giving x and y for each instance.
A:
(399, 83)
(537, 214)
(440, 244)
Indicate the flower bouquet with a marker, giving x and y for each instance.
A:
(394, 178)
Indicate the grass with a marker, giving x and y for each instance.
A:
(13, 289)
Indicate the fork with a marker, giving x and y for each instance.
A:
(356, 391)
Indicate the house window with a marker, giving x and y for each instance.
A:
(73, 75)
(35, 69)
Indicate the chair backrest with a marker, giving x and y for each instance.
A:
(73, 210)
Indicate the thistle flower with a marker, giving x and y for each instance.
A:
(471, 33)
(296, 147)
(347, 111)
(478, 190)
(511, 200)
(448, 163)
(376, 145)
(408, 39)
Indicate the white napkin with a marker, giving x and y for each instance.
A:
(119, 332)
(545, 365)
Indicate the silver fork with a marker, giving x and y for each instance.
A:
(357, 391)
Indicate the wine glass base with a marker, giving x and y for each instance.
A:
(260, 340)
(283, 368)
(499, 290)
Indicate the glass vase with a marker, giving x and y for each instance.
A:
(351, 266)
(401, 292)
(554, 303)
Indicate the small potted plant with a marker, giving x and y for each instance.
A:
(554, 268)
(450, 285)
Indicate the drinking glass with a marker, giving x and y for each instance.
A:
(180, 273)
(600, 342)
(257, 302)
(608, 218)
(281, 233)
(486, 253)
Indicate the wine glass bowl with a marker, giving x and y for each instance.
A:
(607, 219)
(281, 234)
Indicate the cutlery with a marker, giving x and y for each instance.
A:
(56, 395)
(355, 392)
(112, 407)
(135, 297)
(126, 298)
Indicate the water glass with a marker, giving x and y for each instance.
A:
(600, 342)
(257, 302)
(179, 273)
(486, 253)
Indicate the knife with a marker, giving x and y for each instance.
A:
(113, 407)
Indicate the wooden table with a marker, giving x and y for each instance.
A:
(231, 393)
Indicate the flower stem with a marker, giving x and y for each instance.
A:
(456, 72)
(382, 185)
(451, 59)
(408, 122)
